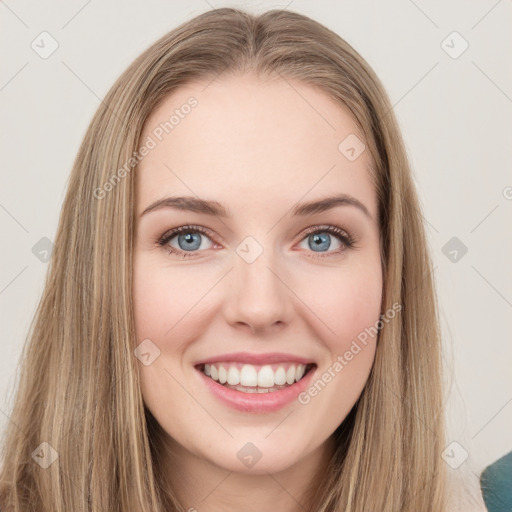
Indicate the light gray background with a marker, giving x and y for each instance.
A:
(454, 113)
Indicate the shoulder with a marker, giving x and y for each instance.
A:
(495, 484)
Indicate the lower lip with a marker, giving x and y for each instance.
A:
(258, 402)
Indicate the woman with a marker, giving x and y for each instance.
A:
(240, 311)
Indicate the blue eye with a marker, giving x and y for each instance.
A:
(188, 237)
(319, 238)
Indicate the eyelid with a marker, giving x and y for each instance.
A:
(189, 228)
(331, 229)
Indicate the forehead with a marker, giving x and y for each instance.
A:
(270, 141)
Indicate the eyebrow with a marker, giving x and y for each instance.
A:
(214, 208)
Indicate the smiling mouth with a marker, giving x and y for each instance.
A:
(249, 378)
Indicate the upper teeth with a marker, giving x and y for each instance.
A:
(249, 375)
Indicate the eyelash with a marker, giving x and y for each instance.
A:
(348, 240)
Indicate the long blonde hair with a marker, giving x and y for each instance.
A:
(79, 387)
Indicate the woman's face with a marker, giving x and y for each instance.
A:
(263, 289)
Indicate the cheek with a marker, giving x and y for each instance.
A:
(159, 305)
(344, 306)
(347, 302)
(359, 303)
(161, 299)
(349, 307)
(150, 304)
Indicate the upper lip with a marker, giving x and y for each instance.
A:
(257, 359)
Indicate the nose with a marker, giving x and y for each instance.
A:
(259, 299)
